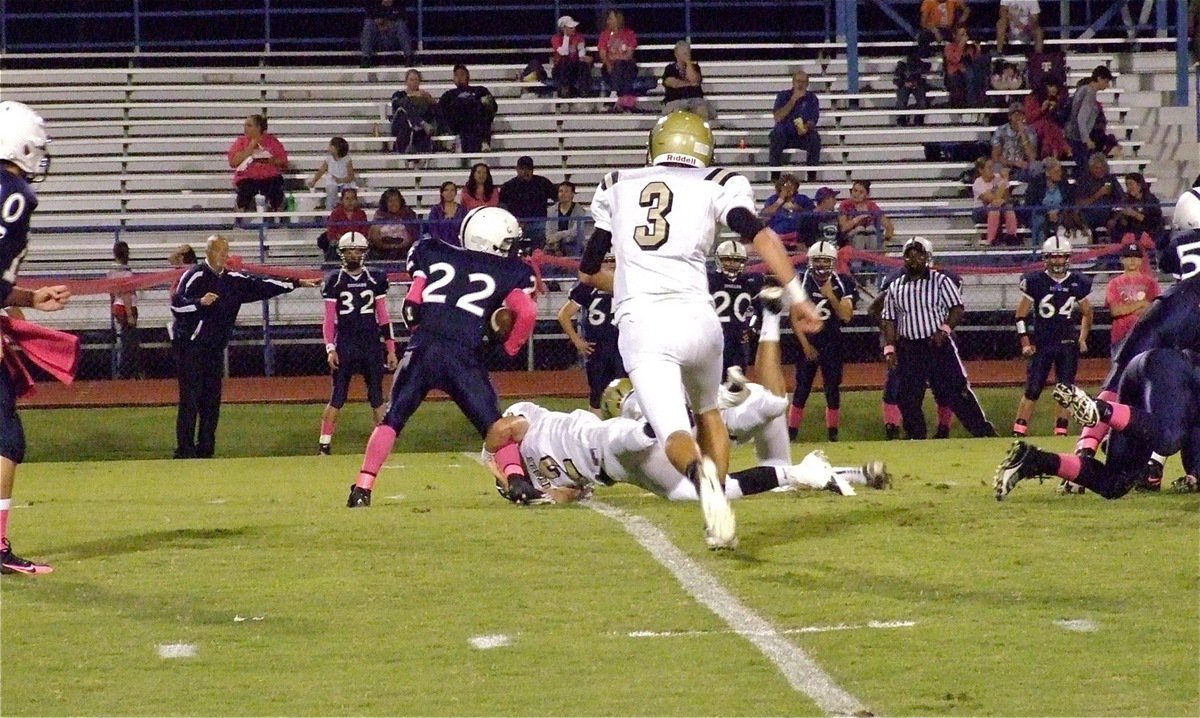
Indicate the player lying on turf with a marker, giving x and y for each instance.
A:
(1156, 413)
(567, 454)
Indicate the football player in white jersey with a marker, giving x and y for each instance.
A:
(661, 222)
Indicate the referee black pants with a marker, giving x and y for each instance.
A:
(919, 364)
(201, 370)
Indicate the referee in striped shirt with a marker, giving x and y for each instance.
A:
(920, 310)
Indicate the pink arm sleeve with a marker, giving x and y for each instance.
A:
(328, 331)
(525, 310)
(414, 291)
(385, 323)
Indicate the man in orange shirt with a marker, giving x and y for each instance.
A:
(1129, 294)
(939, 20)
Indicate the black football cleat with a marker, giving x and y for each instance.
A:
(12, 563)
(793, 432)
(1017, 465)
(359, 497)
(942, 432)
(832, 433)
(891, 432)
(324, 449)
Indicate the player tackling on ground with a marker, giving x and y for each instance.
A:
(660, 222)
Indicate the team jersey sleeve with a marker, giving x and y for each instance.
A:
(1085, 286)
(889, 305)
(415, 262)
(579, 294)
(601, 208)
(1023, 286)
(949, 293)
(735, 192)
(16, 208)
(328, 288)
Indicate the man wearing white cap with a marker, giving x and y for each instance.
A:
(572, 71)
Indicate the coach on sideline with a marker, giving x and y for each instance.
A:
(920, 310)
(205, 305)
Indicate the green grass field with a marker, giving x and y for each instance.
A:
(293, 605)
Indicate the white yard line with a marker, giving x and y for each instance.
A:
(801, 672)
(784, 632)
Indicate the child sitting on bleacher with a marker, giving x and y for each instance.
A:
(337, 170)
(992, 200)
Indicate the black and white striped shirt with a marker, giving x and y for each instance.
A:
(919, 305)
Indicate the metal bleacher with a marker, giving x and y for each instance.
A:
(142, 149)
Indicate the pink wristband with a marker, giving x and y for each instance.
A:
(889, 350)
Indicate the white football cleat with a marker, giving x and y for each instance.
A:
(877, 474)
(720, 526)
(1075, 400)
(734, 391)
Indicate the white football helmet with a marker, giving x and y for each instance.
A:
(1056, 251)
(23, 140)
(352, 240)
(924, 244)
(821, 257)
(1180, 253)
(490, 230)
(732, 256)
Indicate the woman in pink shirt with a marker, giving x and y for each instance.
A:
(258, 161)
(616, 46)
(480, 190)
(861, 221)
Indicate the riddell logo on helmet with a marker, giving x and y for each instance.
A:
(682, 159)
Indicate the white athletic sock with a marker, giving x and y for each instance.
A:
(770, 327)
(733, 490)
(852, 474)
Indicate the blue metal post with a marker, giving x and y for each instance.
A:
(895, 17)
(1182, 61)
(839, 10)
(687, 19)
(267, 25)
(137, 26)
(851, 46)
(420, 25)
(268, 353)
(1161, 25)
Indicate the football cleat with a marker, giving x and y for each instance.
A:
(324, 449)
(720, 526)
(891, 432)
(832, 434)
(942, 432)
(1070, 487)
(813, 472)
(1186, 485)
(1151, 480)
(1075, 400)
(1017, 465)
(771, 299)
(359, 497)
(877, 474)
(12, 563)
(734, 391)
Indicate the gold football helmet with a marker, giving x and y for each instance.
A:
(681, 138)
(614, 396)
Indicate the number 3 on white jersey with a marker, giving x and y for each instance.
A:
(442, 273)
(657, 198)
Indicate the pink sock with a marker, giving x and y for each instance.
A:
(795, 416)
(891, 414)
(945, 415)
(993, 226)
(1091, 436)
(833, 418)
(378, 448)
(326, 428)
(1120, 416)
(1069, 466)
(508, 458)
(4, 519)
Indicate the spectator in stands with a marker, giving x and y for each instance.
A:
(796, 114)
(258, 161)
(1046, 67)
(384, 28)
(414, 114)
(939, 20)
(862, 223)
(682, 88)
(959, 72)
(1044, 113)
(910, 81)
(1045, 199)
(394, 227)
(527, 196)
(826, 221)
(337, 169)
(468, 111)
(183, 256)
(1129, 295)
(1138, 218)
(1014, 146)
(993, 202)
(786, 211)
(616, 46)
(347, 216)
(480, 189)
(447, 215)
(572, 69)
(1085, 107)
(1006, 77)
(566, 224)
(124, 318)
(1097, 193)
(1019, 23)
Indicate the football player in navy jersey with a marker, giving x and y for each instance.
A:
(1170, 322)
(1045, 317)
(733, 292)
(449, 306)
(834, 296)
(1155, 413)
(357, 331)
(596, 338)
(23, 159)
(891, 382)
